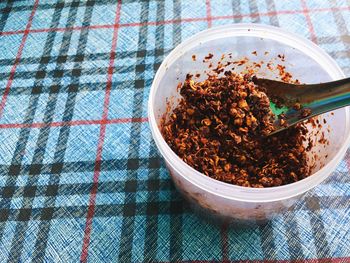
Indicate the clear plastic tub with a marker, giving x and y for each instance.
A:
(305, 60)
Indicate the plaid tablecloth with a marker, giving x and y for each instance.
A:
(80, 177)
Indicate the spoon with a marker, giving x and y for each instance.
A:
(303, 101)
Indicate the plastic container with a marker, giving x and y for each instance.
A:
(305, 60)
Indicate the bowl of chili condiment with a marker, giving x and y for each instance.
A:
(211, 123)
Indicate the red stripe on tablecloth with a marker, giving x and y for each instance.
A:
(174, 21)
(92, 201)
(18, 58)
(306, 12)
(224, 242)
(313, 260)
(70, 123)
(209, 18)
(165, 22)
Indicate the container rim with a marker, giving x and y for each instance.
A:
(225, 190)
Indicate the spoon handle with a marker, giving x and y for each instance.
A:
(315, 99)
(319, 98)
(325, 97)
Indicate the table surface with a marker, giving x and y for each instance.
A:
(81, 178)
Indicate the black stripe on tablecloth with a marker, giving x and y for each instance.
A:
(153, 185)
(85, 57)
(83, 166)
(128, 224)
(58, 87)
(94, 86)
(253, 9)
(272, 8)
(107, 165)
(128, 210)
(176, 208)
(18, 153)
(317, 227)
(69, 72)
(74, 4)
(236, 11)
(268, 246)
(17, 244)
(147, 52)
(54, 180)
(292, 235)
(61, 5)
(5, 12)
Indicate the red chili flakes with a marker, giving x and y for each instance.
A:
(256, 65)
(281, 57)
(281, 69)
(322, 140)
(312, 122)
(255, 53)
(305, 113)
(297, 106)
(310, 145)
(241, 62)
(209, 56)
(269, 66)
(219, 128)
(285, 76)
(266, 53)
(194, 57)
